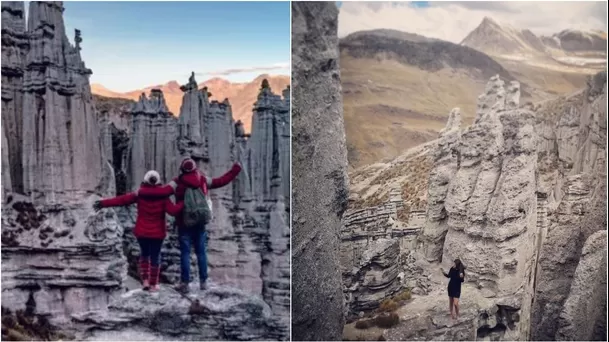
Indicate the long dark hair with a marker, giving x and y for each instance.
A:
(459, 265)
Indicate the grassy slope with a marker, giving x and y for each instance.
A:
(390, 107)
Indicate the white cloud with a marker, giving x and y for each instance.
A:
(228, 72)
(452, 21)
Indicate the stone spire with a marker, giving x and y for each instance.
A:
(14, 47)
(268, 131)
(194, 108)
(153, 143)
(61, 146)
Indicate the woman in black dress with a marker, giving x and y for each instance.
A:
(457, 276)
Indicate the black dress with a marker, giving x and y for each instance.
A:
(454, 285)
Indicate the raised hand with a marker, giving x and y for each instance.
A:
(97, 206)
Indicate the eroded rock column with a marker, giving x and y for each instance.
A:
(14, 48)
(61, 148)
(319, 171)
(446, 162)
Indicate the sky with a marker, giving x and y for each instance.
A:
(453, 20)
(132, 45)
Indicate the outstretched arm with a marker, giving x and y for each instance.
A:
(119, 201)
(225, 178)
(173, 209)
(444, 273)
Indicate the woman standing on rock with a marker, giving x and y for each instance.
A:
(192, 178)
(150, 227)
(457, 276)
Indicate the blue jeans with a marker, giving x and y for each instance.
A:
(187, 237)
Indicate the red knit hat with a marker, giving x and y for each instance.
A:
(188, 165)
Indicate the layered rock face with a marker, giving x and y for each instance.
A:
(446, 162)
(573, 190)
(61, 154)
(584, 314)
(57, 255)
(15, 44)
(364, 237)
(219, 313)
(375, 276)
(319, 171)
(482, 206)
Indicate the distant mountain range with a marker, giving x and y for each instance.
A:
(399, 87)
(498, 39)
(242, 96)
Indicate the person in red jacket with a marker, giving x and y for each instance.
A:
(150, 228)
(191, 177)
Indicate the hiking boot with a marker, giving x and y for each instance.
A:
(154, 288)
(182, 288)
(203, 286)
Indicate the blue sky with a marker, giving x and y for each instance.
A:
(130, 45)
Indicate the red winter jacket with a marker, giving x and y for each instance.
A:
(196, 179)
(152, 204)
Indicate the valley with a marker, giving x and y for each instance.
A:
(399, 87)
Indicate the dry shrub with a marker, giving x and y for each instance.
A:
(386, 321)
(404, 295)
(364, 324)
(26, 326)
(388, 305)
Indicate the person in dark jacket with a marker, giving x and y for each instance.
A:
(150, 228)
(191, 177)
(456, 274)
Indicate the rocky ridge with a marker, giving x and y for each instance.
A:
(61, 260)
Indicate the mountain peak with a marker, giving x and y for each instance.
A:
(488, 21)
(493, 38)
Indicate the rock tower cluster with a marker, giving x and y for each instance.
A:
(61, 151)
(56, 252)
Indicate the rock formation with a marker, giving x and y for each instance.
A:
(584, 314)
(195, 105)
(217, 314)
(152, 144)
(61, 154)
(572, 192)
(520, 198)
(319, 168)
(375, 277)
(57, 254)
(446, 163)
(15, 43)
(365, 254)
(71, 263)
